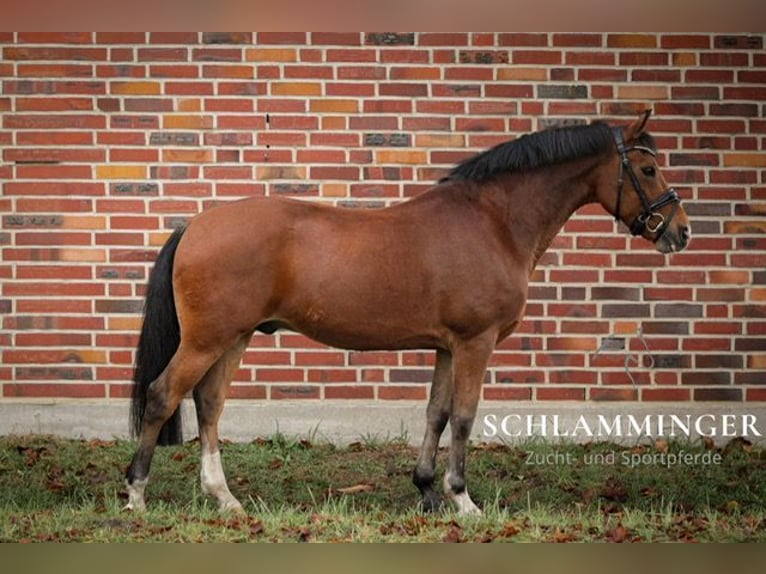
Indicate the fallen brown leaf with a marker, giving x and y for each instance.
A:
(738, 444)
(618, 534)
(454, 533)
(509, 530)
(561, 536)
(255, 527)
(357, 488)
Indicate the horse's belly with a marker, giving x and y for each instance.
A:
(366, 334)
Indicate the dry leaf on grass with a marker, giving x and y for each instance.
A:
(357, 488)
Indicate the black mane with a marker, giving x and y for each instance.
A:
(539, 149)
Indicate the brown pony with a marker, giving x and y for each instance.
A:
(447, 270)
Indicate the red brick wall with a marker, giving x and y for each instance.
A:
(108, 140)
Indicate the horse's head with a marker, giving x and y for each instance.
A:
(636, 193)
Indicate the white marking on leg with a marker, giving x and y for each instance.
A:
(136, 495)
(463, 503)
(465, 506)
(214, 482)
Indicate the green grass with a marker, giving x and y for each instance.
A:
(293, 490)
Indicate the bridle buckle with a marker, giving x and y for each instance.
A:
(649, 221)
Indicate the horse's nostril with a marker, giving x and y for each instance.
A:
(686, 233)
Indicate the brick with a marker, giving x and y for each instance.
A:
(334, 106)
(603, 394)
(507, 393)
(339, 172)
(135, 88)
(390, 39)
(71, 390)
(442, 39)
(536, 57)
(750, 344)
(349, 392)
(744, 160)
(120, 37)
(280, 38)
(523, 39)
(562, 91)
(743, 42)
(54, 373)
(120, 172)
(717, 394)
(336, 38)
(559, 394)
(55, 37)
(280, 172)
(401, 392)
(271, 55)
(226, 38)
(631, 41)
(291, 392)
(162, 54)
(685, 41)
(187, 156)
(483, 57)
(296, 89)
(625, 310)
(54, 70)
(183, 122)
(656, 394)
(578, 40)
(642, 92)
(724, 59)
(718, 361)
(401, 156)
(440, 140)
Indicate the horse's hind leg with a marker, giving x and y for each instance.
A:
(469, 364)
(184, 371)
(209, 397)
(437, 415)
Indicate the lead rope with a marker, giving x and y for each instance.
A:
(636, 359)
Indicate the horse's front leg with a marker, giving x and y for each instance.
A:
(469, 364)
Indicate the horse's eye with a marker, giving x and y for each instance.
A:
(649, 171)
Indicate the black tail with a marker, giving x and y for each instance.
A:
(159, 340)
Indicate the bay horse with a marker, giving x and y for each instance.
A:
(447, 270)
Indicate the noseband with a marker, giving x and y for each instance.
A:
(649, 218)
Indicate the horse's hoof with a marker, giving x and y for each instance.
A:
(134, 507)
(465, 506)
(136, 501)
(232, 507)
(431, 503)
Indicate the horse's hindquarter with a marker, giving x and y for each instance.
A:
(404, 277)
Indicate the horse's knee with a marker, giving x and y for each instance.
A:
(461, 427)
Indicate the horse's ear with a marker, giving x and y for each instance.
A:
(637, 127)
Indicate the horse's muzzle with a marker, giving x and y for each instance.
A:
(674, 239)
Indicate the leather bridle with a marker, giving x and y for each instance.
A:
(649, 218)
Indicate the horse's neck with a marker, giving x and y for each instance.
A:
(540, 203)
